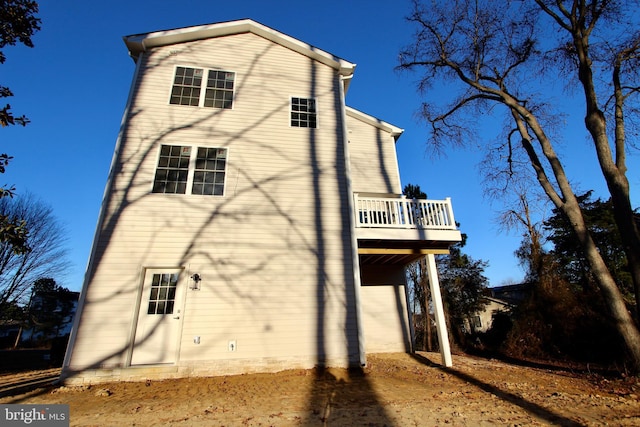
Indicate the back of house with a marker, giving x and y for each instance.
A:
(226, 240)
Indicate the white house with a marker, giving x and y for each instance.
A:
(251, 220)
(482, 321)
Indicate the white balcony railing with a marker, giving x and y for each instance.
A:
(400, 212)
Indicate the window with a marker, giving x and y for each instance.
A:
(173, 169)
(163, 294)
(303, 113)
(208, 177)
(219, 93)
(477, 322)
(187, 88)
(180, 167)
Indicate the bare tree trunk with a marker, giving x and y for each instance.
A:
(427, 338)
(611, 294)
(17, 341)
(568, 203)
(623, 211)
(429, 346)
(483, 45)
(614, 172)
(425, 325)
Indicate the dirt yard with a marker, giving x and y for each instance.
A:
(394, 390)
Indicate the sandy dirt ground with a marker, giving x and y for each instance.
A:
(394, 390)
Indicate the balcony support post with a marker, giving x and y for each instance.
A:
(436, 299)
(450, 211)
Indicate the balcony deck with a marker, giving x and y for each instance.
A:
(401, 229)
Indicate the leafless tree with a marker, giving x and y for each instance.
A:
(420, 294)
(46, 254)
(506, 58)
(521, 215)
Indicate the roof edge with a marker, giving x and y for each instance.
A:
(138, 43)
(395, 131)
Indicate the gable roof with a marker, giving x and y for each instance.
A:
(138, 43)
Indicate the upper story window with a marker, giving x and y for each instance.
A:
(219, 93)
(210, 169)
(173, 169)
(203, 170)
(303, 113)
(188, 89)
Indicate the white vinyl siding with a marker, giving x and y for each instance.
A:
(274, 254)
(385, 321)
(383, 301)
(372, 154)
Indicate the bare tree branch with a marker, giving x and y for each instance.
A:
(490, 54)
(47, 254)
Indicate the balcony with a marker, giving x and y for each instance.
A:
(403, 229)
(400, 212)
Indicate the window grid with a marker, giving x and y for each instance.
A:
(303, 113)
(173, 169)
(208, 178)
(163, 293)
(176, 170)
(219, 92)
(186, 86)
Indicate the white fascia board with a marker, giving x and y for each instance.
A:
(387, 127)
(140, 42)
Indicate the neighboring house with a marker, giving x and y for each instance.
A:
(51, 316)
(500, 299)
(512, 294)
(483, 320)
(251, 221)
(9, 330)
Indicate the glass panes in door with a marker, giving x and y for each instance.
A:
(163, 293)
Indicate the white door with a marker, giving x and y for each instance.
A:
(159, 320)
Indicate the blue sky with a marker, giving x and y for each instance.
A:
(73, 86)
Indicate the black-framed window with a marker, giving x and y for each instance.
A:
(173, 169)
(304, 113)
(209, 173)
(218, 90)
(186, 86)
(163, 293)
(203, 169)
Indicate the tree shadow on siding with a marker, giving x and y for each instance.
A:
(329, 390)
(331, 290)
(135, 149)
